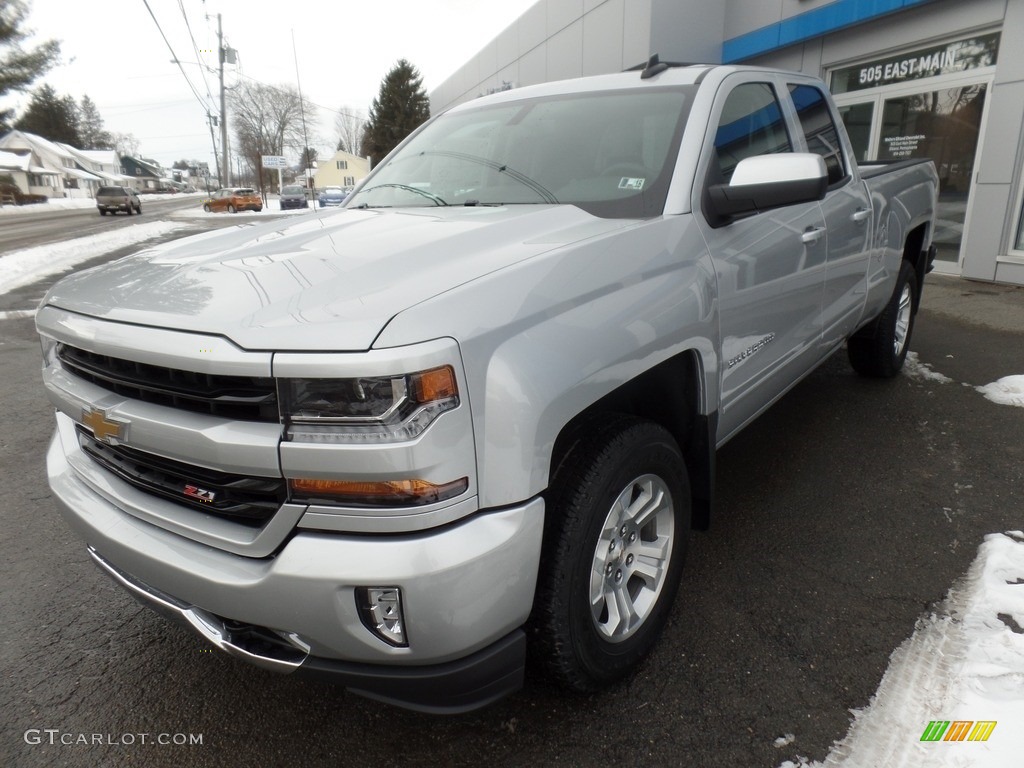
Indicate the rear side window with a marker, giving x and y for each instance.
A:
(751, 125)
(819, 130)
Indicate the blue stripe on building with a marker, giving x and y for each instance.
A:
(805, 26)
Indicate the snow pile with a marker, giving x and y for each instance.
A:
(964, 665)
(20, 268)
(1006, 391)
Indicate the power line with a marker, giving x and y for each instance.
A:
(174, 56)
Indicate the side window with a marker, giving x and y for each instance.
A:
(819, 129)
(751, 124)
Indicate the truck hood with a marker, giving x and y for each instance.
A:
(326, 282)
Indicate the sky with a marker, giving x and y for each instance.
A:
(115, 53)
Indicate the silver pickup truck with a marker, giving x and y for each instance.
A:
(477, 409)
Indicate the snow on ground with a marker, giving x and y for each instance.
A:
(19, 268)
(915, 369)
(964, 664)
(1006, 391)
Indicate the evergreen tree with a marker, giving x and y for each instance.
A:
(19, 68)
(307, 158)
(400, 107)
(90, 127)
(51, 116)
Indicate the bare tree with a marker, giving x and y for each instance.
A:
(267, 120)
(348, 125)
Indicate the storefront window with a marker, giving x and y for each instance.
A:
(942, 125)
(857, 119)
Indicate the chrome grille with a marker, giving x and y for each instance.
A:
(243, 398)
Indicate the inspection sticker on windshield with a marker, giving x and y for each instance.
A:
(629, 183)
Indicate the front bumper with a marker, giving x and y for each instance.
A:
(458, 686)
(467, 590)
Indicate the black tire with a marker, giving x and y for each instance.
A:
(232, 209)
(138, 209)
(207, 208)
(128, 210)
(594, 547)
(880, 349)
(103, 213)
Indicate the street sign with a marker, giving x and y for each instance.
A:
(274, 161)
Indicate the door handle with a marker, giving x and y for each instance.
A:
(812, 235)
(861, 215)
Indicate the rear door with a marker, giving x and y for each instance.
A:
(847, 211)
(770, 266)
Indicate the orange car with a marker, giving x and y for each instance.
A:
(233, 200)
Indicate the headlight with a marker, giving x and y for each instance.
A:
(375, 409)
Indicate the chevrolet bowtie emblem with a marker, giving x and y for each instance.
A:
(103, 429)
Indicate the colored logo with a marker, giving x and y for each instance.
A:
(110, 431)
(958, 730)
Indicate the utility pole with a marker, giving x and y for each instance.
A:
(223, 110)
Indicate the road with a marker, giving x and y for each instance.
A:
(845, 514)
(36, 228)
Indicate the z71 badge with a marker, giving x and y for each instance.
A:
(200, 494)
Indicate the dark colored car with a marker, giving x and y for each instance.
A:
(293, 196)
(332, 196)
(114, 199)
(233, 200)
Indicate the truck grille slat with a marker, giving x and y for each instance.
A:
(244, 398)
(243, 499)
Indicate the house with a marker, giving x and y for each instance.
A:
(26, 175)
(146, 175)
(51, 169)
(100, 162)
(342, 170)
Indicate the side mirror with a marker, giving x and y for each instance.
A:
(764, 182)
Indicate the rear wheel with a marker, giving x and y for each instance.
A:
(232, 209)
(615, 540)
(880, 349)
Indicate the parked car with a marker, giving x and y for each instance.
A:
(332, 196)
(233, 200)
(114, 199)
(293, 196)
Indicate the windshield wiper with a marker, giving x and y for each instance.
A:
(523, 179)
(437, 200)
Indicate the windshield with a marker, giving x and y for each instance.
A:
(607, 153)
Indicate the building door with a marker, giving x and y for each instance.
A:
(929, 103)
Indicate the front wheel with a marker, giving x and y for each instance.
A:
(232, 209)
(615, 540)
(880, 349)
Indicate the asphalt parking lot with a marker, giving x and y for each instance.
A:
(845, 514)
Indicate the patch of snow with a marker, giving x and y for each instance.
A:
(966, 664)
(915, 369)
(1007, 391)
(19, 268)
(17, 314)
(784, 741)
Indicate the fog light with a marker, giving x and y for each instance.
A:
(380, 609)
